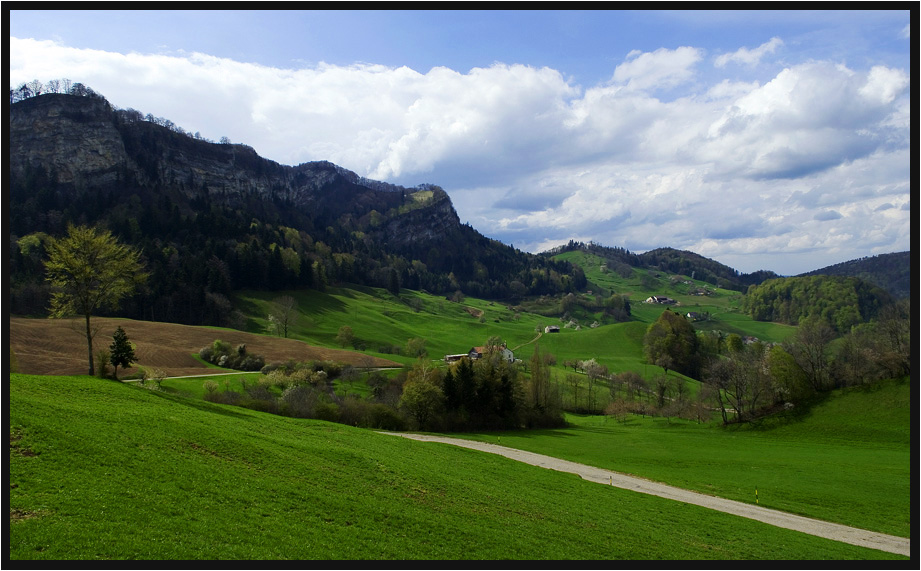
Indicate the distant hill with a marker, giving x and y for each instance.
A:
(892, 272)
(672, 261)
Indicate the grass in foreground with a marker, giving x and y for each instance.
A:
(101, 470)
(848, 461)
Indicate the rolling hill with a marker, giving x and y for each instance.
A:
(101, 470)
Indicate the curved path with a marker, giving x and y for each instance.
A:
(828, 530)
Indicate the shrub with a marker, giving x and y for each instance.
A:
(300, 401)
(156, 375)
(251, 363)
(326, 410)
(102, 361)
(383, 417)
(221, 354)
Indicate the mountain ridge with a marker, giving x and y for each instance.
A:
(222, 217)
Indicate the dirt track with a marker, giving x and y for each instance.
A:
(834, 531)
(58, 346)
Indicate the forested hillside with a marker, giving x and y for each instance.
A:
(892, 272)
(672, 261)
(210, 218)
(840, 301)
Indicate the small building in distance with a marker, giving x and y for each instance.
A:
(477, 353)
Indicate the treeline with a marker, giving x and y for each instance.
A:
(842, 302)
(197, 259)
(64, 86)
(486, 394)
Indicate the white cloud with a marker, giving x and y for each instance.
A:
(730, 168)
(661, 69)
(749, 57)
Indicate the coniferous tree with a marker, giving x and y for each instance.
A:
(121, 350)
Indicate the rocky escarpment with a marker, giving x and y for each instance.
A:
(74, 138)
(432, 222)
(83, 143)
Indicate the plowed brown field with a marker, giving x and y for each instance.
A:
(58, 346)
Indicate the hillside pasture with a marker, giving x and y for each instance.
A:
(58, 346)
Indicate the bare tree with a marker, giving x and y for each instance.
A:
(574, 381)
(594, 371)
(284, 315)
(35, 86)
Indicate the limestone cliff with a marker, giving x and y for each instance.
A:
(82, 143)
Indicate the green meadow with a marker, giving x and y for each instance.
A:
(848, 460)
(107, 470)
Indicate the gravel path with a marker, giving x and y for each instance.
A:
(834, 531)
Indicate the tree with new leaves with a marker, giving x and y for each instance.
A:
(121, 351)
(671, 343)
(345, 336)
(89, 269)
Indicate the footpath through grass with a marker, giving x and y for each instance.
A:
(103, 470)
(848, 461)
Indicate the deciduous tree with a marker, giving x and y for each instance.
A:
(88, 269)
(671, 343)
(345, 336)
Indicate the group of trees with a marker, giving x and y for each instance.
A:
(745, 381)
(35, 88)
(488, 393)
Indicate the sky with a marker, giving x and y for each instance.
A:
(776, 140)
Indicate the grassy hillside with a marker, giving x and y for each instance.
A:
(382, 319)
(102, 470)
(847, 461)
(722, 304)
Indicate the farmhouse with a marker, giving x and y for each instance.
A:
(552, 329)
(477, 353)
(660, 299)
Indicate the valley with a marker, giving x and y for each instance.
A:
(352, 292)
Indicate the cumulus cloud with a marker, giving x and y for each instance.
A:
(812, 158)
(660, 69)
(749, 57)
